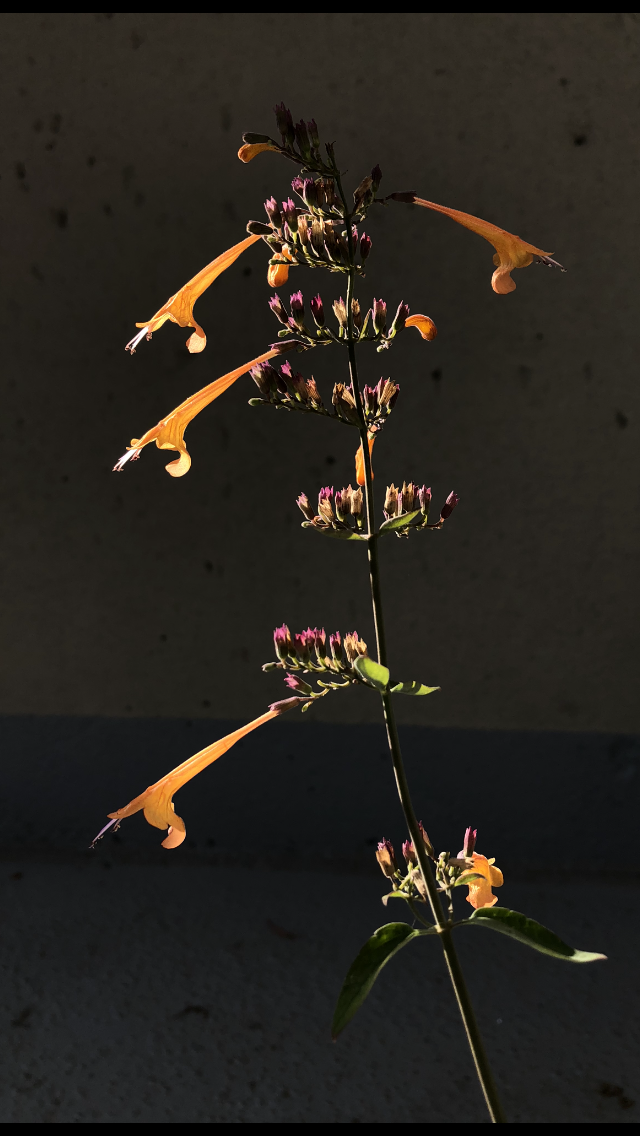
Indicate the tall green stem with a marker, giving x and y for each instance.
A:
(474, 1038)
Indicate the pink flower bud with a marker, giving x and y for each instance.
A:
(449, 505)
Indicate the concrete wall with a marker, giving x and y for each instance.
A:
(137, 594)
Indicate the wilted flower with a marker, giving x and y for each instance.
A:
(179, 308)
(386, 858)
(480, 894)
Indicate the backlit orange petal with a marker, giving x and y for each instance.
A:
(512, 251)
(424, 324)
(480, 894)
(169, 432)
(179, 308)
(360, 476)
(249, 151)
(278, 274)
(157, 799)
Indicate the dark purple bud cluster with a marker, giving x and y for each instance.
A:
(301, 142)
(286, 388)
(339, 510)
(319, 195)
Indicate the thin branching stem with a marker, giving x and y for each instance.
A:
(474, 1038)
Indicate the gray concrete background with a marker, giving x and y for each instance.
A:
(137, 594)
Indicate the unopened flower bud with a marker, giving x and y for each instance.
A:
(408, 492)
(303, 504)
(309, 193)
(357, 502)
(379, 316)
(424, 497)
(391, 501)
(376, 178)
(321, 644)
(340, 311)
(356, 314)
(400, 318)
(297, 684)
(469, 842)
(449, 505)
(427, 843)
(282, 641)
(313, 133)
(386, 858)
(409, 852)
(284, 120)
(325, 504)
(317, 310)
(302, 138)
(343, 503)
(301, 647)
(297, 184)
(297, 309)
(259, 229)
(365, 246)
(277, 307)
(335, 643)
(273, 212)
(290, 214)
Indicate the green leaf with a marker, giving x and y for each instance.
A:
(383, 944)
(372, 673)
(527, 931)
(395, 895)
(412, 688)
(398, 522)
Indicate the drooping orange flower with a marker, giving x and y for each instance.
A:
(480, 894)
(157, 800)
(360, 477)
(511, 251)
(424, 324)
(250, 150)
(169, 433)
(278, 274)
(179, 308)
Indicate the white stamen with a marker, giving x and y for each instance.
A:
(131, 455)
(133, 343)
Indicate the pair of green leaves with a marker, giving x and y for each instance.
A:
(379, 677)
(388, 940)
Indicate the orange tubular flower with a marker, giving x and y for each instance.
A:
(157, 799)
(169, 433)
(424, 324)
(179, 308)
(278, 274)
(360, 478)
(480, 894)
(511, 251)
(251, 150)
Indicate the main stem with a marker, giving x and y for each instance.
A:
(483, 1069)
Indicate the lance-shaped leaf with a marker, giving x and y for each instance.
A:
(413, 688)
(529, 932)
(372, 673)
(399, 522)
(383, 944)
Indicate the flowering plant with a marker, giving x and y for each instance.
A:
(319, 229)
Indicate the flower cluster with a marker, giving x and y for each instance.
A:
(310, 653)
(286, 389)
(369, 326)
(315, 239)
(413, 502)
(467, 869)
(340, 511)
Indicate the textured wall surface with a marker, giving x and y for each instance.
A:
(138, 594)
